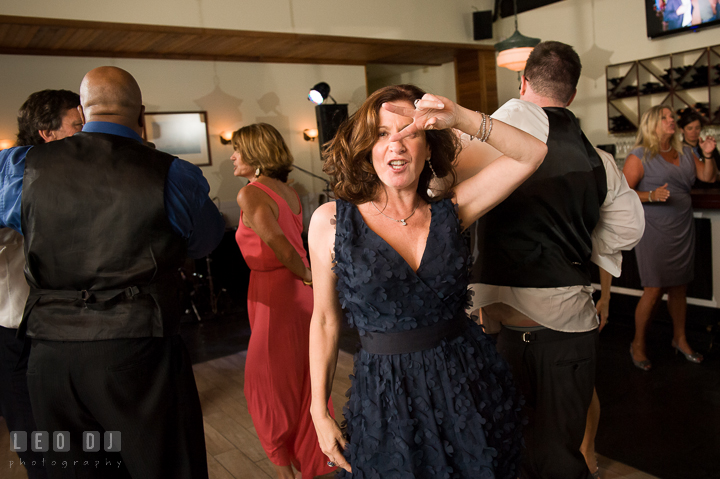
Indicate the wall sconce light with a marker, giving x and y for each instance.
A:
(319, 93)
(226, 136)
(310, 134)
(6, 144)
(514, 52)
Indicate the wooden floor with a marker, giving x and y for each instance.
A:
(233, 449)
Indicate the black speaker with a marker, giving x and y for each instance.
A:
(329, 118)
(482, 25)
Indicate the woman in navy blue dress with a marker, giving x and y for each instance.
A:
(430, 397)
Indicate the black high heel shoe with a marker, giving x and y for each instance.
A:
(693, 357)
(645, 365)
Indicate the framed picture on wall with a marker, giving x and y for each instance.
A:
(180, 133)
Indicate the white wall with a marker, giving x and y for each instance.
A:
(238, 94)
(602, 32)
(434, 79)
(233, 94)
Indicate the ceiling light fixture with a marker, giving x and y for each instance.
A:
(514, 51)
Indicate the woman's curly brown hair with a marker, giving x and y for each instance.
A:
(348, 156)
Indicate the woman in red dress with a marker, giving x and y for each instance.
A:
(280, 304)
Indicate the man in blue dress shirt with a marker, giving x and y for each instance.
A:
(106, 222)
(47, 115)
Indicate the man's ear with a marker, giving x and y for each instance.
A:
(82, 114)
(571, 99)
(47, 135)
(141, 118)
(523, 85)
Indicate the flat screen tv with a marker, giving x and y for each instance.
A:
(667, 17)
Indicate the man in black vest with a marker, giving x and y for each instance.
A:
(532, 262)
(107, 221)
(46, 115)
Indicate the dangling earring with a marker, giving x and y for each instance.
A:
(431, 167)
(257, 172)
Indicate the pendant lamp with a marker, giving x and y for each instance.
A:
(514, 52)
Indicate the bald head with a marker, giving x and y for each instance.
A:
(111, 94)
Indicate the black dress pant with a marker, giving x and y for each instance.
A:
(144, 388)
(556, 374)
(15, 399)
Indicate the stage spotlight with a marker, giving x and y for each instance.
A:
(319, 93)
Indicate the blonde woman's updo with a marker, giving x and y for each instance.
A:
(262, 147)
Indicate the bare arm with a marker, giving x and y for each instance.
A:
(634, 171)
(522, 153)
(707, 169)
(603, 304)
(474, 156)
(258, 214)
(324, 333)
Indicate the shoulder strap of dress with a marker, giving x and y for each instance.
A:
(343, 211)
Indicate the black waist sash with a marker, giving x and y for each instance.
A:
(414, 340)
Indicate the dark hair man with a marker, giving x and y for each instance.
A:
(107, 221)
(532, 269)
(46, 115)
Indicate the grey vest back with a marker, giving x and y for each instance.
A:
(539, 237)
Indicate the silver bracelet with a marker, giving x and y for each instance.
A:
(489, 130)
(482, 127)
(650, 196)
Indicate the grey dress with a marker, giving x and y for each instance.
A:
(666, 252)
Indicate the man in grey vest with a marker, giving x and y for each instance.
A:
(533, 251)
(106, 222)
(46, 115)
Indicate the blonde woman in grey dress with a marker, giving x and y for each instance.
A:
(662, 171)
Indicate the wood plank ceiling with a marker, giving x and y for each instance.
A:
(476, 84)
(45, 36)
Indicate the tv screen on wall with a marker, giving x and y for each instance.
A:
(666, 17)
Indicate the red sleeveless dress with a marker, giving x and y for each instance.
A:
(277, 369)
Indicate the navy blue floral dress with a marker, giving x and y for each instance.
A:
(449, 411)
